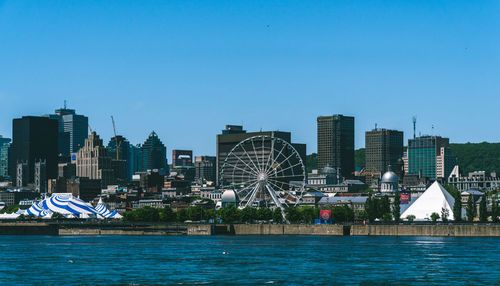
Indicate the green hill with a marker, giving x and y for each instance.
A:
(477, 156)
(471, 157)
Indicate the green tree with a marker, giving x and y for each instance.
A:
(434, 217)
(470, 209)
(229, 214)
(396, 209)
(387, 217)
(129, 216)
(371, 209)
(264, 214)
(292, 214)
(147, 214)
(341, 214)
(209, 214)
(385, 206)
(445, 213)
(495, 212)
(181, 215)
(308, 214)
(277, 215)
(56, 215)
(248, 214)
(411, 218)
(457, 207)
(195, 213)
(10, 209)
(483, 212)
(167, 214)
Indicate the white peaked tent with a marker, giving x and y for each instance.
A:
(433, 200)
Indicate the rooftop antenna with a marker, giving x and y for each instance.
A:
(414, 126)
(432, 129)
(65, 104)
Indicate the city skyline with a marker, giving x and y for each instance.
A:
(188, 75)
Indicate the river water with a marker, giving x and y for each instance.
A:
(248, 260)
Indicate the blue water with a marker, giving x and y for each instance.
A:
(291, 260)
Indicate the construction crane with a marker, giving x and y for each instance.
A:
(90, 128)
(116, 139)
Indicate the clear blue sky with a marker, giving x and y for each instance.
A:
(187, 68)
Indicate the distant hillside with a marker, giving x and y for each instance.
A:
(477, 156)
(471, 157)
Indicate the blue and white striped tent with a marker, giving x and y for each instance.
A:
(37, 210)
(103, 210)
(66, 204)
(62, 203)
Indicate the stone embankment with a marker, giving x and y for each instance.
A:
(86, 228)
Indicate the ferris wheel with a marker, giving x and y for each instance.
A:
(264, 171)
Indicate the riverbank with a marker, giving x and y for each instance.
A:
(119, 228)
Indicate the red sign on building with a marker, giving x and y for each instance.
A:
(325, 214)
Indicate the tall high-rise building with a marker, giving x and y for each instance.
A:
(383, 149)
(94, 162)
(154, 154)
(205, 168)
(73, 130)
(135, 159)
(336, 143)
(430, 156)
(34, 139)
(4, 157)
(234, 134)
(122, 154)
(182, 158)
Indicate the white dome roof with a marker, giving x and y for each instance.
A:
(229, 196)
(390, 177)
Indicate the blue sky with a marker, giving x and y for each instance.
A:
(187, 68)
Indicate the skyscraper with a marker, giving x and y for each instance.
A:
(72, 130)
(94, 162)
(205, 168)
(122, 154)
(154, 154)
(430, 156)
(336, 143)
(384, 148)
(4, 156)
(34, 139)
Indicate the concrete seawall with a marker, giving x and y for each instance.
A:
(465, 230)
(54, 228)
(287, 229)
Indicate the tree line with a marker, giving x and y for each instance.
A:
(233, 214)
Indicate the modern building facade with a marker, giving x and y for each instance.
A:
(121, 153)
(4, 157)
(34, 139)
(73, 130)
(154, 154)
(383, 151)
(336, 143)
(430, 157)
(182, 158)
(135, 159)
(93, 161)
(234, 134)
(206, 168)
